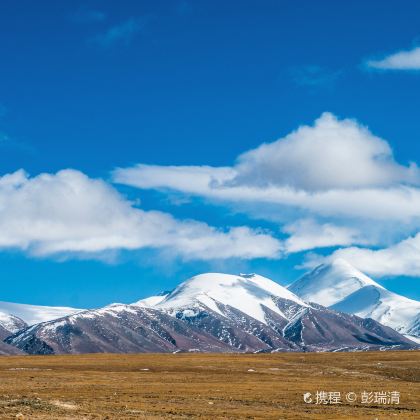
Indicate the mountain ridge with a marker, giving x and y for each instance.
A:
(342, 287)
(327, 284)
(211, 312)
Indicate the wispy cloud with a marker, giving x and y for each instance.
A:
(315, 76)
(401, 60)
(88, 16)
(10, 143)
(123, 33)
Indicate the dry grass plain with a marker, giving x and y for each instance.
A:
(205, 386)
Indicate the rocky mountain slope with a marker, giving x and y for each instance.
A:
(212, 313)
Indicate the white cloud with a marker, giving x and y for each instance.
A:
(68, 212)
(336, 168)
(401, 60)
(332, 154)
(400, 259)
(189, 179)
(307, 234)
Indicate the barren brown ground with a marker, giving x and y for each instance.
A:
(207, 386)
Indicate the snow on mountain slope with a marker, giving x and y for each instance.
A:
(386, 307)
(343, 288)
(414, 327)
(151, 301)
(413, 338)
(211, 313)
(117, 328)
(33, 314)
(330, 283)
(246, 292)
(10, 323)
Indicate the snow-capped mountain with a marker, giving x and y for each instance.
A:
(386, 307)
(33, 314)
(413, 331)
(249, 293)
(151, 300)
(327, 284)
(212, 313)
(10, 324)
(15, 317)
(343, 288)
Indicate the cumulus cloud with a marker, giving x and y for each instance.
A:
(333, 168)
(308, 234)
(331, 154)
(401, 60)
(401, 259)
(68, 212)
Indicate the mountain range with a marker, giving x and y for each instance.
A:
(333, 308)
(342, 287)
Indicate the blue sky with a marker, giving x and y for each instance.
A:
(99, 85)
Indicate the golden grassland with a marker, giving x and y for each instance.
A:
(206, 386)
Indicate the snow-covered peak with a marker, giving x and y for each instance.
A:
(11, 323)
(384, 306)
(329, 283)
(342, 287)
(245, 293)
(33, 314)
